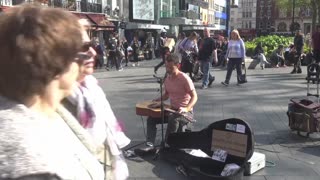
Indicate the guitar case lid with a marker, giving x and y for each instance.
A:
(234, 136)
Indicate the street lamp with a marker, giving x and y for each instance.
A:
(293, 7)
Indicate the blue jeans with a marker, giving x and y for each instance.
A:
(205, 68)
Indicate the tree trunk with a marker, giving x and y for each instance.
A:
(317, 4)
(314, 14)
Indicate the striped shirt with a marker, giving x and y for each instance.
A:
(236, 49)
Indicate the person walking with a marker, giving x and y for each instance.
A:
(125, 46)
(236, 55)
(135, 50)
(189, 47)
(181, 37)
(162, 42)
(316, 44)
(207, 50)
(298, 43)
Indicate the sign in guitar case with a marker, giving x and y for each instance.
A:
(227, 144)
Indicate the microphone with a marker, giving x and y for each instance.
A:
(160, 79)
(157, 77)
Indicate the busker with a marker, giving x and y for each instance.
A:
(179, 88)
(298, 45)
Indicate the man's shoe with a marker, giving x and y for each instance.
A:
(224, 83)
(145, 150)
(211, 81)
(299, 71)
(204, 87)
(293, 71)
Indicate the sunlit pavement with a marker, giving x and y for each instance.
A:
(262, 102)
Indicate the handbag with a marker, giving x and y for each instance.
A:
(243, 77)
(120, 52)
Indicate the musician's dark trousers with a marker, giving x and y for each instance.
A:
(176, 123)
(187, 67)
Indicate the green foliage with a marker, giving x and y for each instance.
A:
(269, 43)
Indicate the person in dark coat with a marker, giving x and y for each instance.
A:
(298, 45)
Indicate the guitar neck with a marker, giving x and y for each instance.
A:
(190, 119)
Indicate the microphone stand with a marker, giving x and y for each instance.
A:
(162, 144)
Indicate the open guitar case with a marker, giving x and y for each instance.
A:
(234, 136)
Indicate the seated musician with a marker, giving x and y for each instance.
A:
(179, 88)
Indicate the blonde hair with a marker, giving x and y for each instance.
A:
(236, 32)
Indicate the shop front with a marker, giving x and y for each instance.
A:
(188, 29)
(147, 34)
(100, 26)
(247, 34)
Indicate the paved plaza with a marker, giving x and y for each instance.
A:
(262, 102)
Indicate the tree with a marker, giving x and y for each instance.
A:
(314, 5)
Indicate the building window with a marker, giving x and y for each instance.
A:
(224, 10)
(216, 7)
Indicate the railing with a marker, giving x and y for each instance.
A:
(16, 2)
(180, 13)
(5, 2)
(90, 7)
(71, 5)
(65, 4)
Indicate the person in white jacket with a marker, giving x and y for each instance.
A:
(89, 105)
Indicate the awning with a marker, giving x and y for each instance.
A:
(97, 21)
(101, 22)
(131, 25)
(194, 27)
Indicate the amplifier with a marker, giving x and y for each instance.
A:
(255, 163)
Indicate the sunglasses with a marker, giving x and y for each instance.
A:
(86, 46)
(81, 57)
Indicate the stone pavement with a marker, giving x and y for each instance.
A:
(262, 102)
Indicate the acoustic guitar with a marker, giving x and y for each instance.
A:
(152, 109)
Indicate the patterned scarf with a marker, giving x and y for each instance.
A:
(86, 114)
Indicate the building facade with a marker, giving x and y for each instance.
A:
(246, 19)
(284, 18)
(193, 15)
(266, 15)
